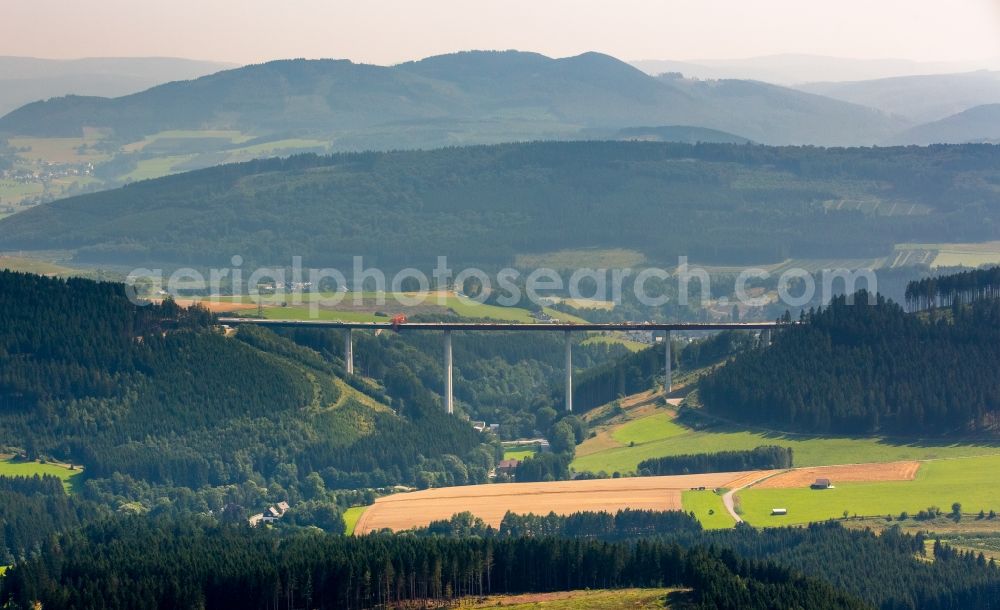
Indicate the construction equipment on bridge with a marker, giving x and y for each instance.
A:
(398, 320)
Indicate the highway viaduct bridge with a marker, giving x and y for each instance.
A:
(766, 329)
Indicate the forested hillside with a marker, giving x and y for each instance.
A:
(862, 369)
(155, 403)
(187, 565)
(886, 571)
(34, 509)
(486, 205)
(197, 564)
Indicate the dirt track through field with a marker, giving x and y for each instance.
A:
(849, 473)
(491, 502)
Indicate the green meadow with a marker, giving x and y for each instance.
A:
(156, 167)
(33, 265)
(11, 467)
(518, 454)
(632, 346)
(324, 306)
(660, 434)
(351, 517)
(970, 482)
(708, 508)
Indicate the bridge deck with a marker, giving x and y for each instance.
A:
(506, 326)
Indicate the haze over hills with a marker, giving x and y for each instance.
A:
(921, 98)
(793, 69)
(978, 124)
(27, 79)
(720, 203)
(473, 97)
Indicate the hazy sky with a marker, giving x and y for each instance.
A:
(390, 31)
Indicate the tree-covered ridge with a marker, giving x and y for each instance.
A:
(154, 396)
(486, 205)
(860, 368)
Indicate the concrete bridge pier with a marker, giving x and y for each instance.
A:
(569, 372)
(349, 352)
(668, 379)
(765, 337)
(449, 400)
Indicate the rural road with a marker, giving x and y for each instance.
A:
(728, 499)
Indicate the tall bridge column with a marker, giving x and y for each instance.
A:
(667, 380)
(349, 351)
(765, 337)
(449, 400)
(569, 372)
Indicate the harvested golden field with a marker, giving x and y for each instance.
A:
(213, 306)
(749, 478)
(848, 473)
(491, 502)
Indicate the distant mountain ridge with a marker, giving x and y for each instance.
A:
(27, 79)
(794, 69)
(975, 125)
(922, 98)
(471, 97)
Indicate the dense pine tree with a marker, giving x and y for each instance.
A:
(859, 368)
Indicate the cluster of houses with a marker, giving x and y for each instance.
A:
(47, 171)
(272, 514)
(270, 287)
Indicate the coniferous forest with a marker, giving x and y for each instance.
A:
(159, 407)
(855, 367)
(759, 458)
(183, 430)
(150, 563)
